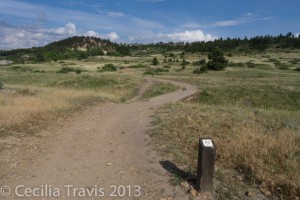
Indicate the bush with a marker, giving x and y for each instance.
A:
(281, 66)
(155, 61)
(138, 66)
(250, 64)
(152, 71)
(66, 70)
(233, 64)
(297, 69)
(21, 69)
(200, 70)
(1, 85)
(217, 60)
(109, 68)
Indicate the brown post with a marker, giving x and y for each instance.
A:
(206, 164)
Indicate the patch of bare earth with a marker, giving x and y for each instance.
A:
(103, 153)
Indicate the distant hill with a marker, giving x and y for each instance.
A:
(79, 47)
(82, 47)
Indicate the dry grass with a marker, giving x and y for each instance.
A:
(24, 109)
(253, 116)
(158, 89)
(30, 100)
(246, 141)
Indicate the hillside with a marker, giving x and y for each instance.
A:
(82, 47)
(74, 47)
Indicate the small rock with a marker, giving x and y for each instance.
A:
(108, 164)
(266, 192)
(194, 192)
(239, 177)
(185, 184)
(249, 193)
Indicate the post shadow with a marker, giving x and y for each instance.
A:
(173, 169)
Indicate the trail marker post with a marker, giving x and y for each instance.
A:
(206, 165)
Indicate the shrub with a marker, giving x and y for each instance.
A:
(297, 69)
(21, 69)
(1, 85)
(66, 70)
(109, 68)
(138, 66)
(167, 66)
(250, 64)
(217, 60)
(152, 71)
(184, 62)
(199, 62)
(155, 61)
(281, 66)
(239, 64)
(161, 70)
(200, 70)
(171, 55)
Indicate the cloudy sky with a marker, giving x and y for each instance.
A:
(27, 23)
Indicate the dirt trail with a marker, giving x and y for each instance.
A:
(105, 147)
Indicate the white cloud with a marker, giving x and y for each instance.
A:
(228, 23)
(13, 37)
(115, 14)
(186, 36)
(68, 29)
(92, 34)
(113, 36)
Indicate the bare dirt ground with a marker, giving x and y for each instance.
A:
(103, 153)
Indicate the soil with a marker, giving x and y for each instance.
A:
(103, 153)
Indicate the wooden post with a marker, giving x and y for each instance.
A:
(206, 165)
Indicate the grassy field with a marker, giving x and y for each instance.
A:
(250, 110)
(252, 115)
(36, 94)
(159, 89)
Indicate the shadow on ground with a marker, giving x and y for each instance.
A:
(174, 170)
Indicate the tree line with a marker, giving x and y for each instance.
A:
(72, 47)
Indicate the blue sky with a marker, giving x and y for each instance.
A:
(27, 23)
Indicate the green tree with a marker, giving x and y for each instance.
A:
(216, 60)
(155, 61)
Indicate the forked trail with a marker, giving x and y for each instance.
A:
(103, 154)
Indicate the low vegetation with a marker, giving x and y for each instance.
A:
(65, 70)
(159, 89)
(31, 100)
(255, 125)
(108, 68)
(248, 101)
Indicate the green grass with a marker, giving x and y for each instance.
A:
(261, 96)
(158, 89)
(253, 115)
